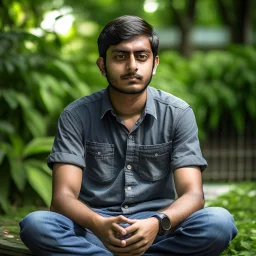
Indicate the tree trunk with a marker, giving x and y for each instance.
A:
(185, 22)
(240, 22)
(186, 47)
(242, 25)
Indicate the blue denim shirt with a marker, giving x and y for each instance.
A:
(127, 171)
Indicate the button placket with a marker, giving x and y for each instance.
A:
(130, 164)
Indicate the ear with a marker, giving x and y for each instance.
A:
(156, 64)
(101, 65)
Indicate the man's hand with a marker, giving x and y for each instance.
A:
(142, 235)
(109, 231)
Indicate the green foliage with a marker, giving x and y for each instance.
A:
(36, 84)
(214, 83)
(20, 167)
(241, 204)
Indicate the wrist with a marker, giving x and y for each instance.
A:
(155, 223)
(164, 223)
(95, 222)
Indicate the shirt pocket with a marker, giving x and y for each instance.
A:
(100, 161)
(154, 161)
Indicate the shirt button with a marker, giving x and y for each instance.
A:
(156, 154)
(126, 207)
(130, 137)
(129, 188)
(129, 167)
(99, 153)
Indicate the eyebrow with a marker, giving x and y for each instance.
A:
(127, 51)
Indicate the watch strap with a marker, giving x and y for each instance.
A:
(160, 217)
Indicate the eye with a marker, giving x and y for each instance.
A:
(142, 57)
(119, 56)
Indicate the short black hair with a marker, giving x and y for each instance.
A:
(124, 28)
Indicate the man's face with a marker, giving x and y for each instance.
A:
(129, 65)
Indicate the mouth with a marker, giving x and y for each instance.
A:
(131, 77)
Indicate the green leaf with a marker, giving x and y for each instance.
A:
(67, 70)
(246, 245)
(9, 66)
(38, 146)
(10, 97)
(4, 190)
(239, 120)
(17, 144)
(49, 95)
(39, 165)
(17, 172)
(2, 155)
(6, 127)
(33, 118)
(214, 118)
(41, 182)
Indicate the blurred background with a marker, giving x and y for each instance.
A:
(48, 50)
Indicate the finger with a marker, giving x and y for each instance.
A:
(131, 229)
(122, 219)
(119, 250)
(129, 250)
(134, 242)
(137, 242)
(123, 254)
(118, 229)
(116, 241)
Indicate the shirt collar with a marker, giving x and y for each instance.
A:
(149, 109)
(150, 104)
(106, 104)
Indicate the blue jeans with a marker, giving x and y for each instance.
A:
(206, 232)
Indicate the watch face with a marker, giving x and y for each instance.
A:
(166, 224)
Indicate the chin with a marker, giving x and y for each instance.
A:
(130, 89)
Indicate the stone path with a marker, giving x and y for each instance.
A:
(212, 191)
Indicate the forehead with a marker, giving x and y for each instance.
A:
(136, 43)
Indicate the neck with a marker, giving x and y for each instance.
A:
(127, 105)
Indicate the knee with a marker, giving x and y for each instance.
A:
(33, 226)
(221, 224)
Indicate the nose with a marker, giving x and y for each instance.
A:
(132, 64)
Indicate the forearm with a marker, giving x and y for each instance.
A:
(183, 207)
(75, 210)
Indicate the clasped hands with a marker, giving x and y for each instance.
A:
(134, 239)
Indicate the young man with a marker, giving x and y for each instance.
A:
(119, 158)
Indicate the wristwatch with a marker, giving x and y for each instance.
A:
(164, 223)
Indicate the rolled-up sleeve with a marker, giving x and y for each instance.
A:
(186, 147)
(68, 144)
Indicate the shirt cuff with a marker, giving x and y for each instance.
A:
(189, 161)
(66, 158)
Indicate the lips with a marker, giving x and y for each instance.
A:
(131, 77)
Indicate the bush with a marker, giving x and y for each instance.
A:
(36, 84)
(215, 84)
(241, 204)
